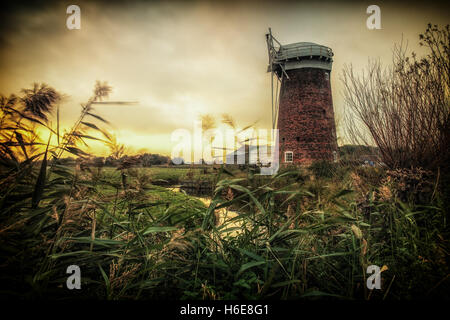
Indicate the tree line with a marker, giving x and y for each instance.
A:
(144, 160)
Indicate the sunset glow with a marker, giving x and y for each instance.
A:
(182, 60)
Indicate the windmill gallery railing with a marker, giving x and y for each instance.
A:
(302, 50)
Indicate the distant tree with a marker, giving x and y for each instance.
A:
(149, 159)
(98, 162)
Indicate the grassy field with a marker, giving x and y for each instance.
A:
(174, 175)
(301, 234)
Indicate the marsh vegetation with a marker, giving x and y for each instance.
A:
(303, 233)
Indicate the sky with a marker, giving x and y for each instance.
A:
(180, 60)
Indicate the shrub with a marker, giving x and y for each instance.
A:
(323, 169)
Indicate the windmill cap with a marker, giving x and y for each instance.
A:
(303, 49)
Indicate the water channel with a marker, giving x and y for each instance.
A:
(223, 215)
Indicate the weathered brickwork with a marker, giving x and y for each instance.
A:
(306, 117)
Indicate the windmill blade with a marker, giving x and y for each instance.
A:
(277, 101)
(269, 41)
(274, 116)
(277, 67)
(247, 140)
(271, 83)
(222, 148)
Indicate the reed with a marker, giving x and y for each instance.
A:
(295, 237)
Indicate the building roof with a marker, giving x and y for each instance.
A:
(303, 49)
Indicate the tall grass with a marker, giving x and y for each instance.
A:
(293, 240)
(295, 237)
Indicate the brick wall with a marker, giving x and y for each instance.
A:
(306, 117)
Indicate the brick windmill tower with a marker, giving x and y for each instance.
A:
(302, 107)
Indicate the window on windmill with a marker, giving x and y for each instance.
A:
(327, 76)
(298, 139)
(288, 156)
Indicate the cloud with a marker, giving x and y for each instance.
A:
(183, 59)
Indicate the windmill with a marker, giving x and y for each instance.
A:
(302, 106)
